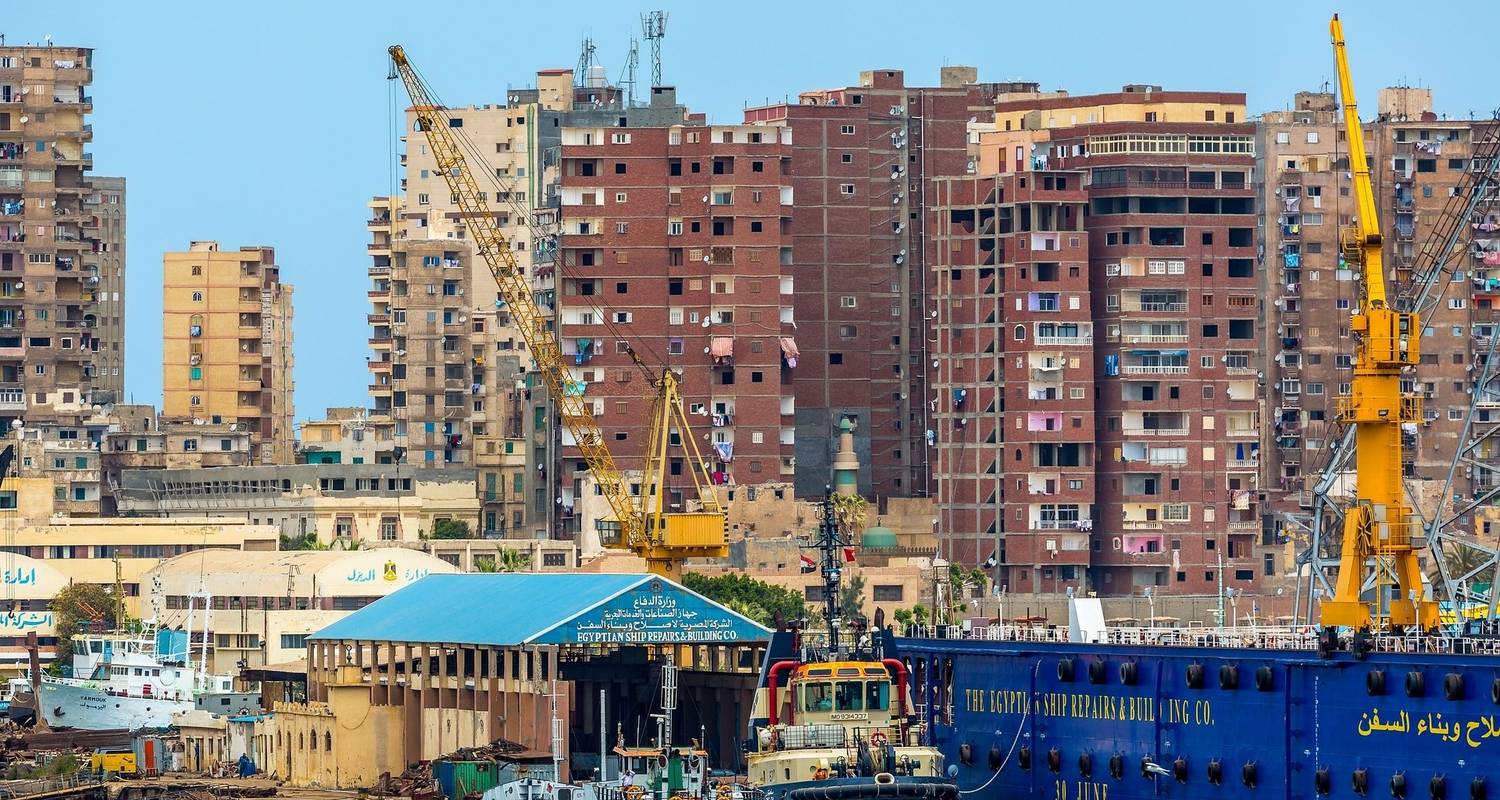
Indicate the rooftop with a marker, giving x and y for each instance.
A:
(511, 609)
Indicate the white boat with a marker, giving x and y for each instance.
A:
(120, 681)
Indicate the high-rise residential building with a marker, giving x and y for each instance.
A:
(227, 343)
(1015, 436)
(861, 157)
(507, 435)
(676, 250)
(106, 207)
(50, 318)
(1163, 263)
(1417, 162)
(1306, 356)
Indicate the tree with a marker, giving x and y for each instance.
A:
(451, 529)
(852, 598)
(505, 559)
(849, 513)
(78, 606)
(307, 542)
(350, 544)
(758, 600)
(903, 617)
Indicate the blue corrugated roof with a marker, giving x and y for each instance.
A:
(507, 609)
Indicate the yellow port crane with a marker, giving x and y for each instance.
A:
(1380, 530)
(645, 526)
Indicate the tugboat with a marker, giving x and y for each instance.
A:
(841, 726)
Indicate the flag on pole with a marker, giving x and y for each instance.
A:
(848, 555)
(808, 565)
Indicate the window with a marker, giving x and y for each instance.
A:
(294, 641)
(189, 445)
(888, 594)
(847, 130)
(846, 189)
(388, 526)
(197, 297)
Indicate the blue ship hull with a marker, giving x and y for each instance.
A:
(1429, 727)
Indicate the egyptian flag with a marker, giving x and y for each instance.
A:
(808, 565)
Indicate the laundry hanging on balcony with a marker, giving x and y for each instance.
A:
(1430, 148)
(1111, 364)
(585, 351)
(1292, 259)
(721, 348)
(725, 451)
(789, 351)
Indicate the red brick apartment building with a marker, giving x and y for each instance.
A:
(1136, 439)
(861, 160)
(675, 241)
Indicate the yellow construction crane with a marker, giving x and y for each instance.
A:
(663, 538)
(1380, 530)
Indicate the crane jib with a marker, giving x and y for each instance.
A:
(663, 538)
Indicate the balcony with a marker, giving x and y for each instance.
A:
(1154, 369)
(1141, 525)
(12, 398)
(1064, 340)
(1242, 433)
(1248, 526)
(1156, 338)
(1131, 432)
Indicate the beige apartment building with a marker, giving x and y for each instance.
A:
(50, 261)
(1309, 290)
(347, 435)
(227, 343)
(106, 210)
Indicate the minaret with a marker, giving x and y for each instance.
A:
(845, 463)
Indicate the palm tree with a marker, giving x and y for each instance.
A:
(505, 559)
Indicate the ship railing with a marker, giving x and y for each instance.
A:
(1267, 637)
(1436, 645)
(832, 736)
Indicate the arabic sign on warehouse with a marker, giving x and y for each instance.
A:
(655, 612)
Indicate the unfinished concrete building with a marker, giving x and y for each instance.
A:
(49, 259)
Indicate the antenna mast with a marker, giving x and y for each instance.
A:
(586, 61)
(654, 29)
(627, 79)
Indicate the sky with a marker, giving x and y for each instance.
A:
(270, 122)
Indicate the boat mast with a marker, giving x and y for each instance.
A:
(828, 544)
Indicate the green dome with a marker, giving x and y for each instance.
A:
(878, 538)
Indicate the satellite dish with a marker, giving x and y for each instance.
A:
(705, 322)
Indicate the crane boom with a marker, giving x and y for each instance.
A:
(663, 538)
(1379, 527)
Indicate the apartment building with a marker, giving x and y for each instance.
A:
(106, 205)
(675, 250)
(347, 435)
(227, 343)
(861, 157)
(1014, 433)
(140, 438)
(508, 435)
(1165, 268)
(50, 318)
(1306, 355)
(1306, 198)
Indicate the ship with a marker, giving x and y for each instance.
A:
(832, 717)
(124, 680)
(1384, 697)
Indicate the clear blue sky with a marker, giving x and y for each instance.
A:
(268, 122)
